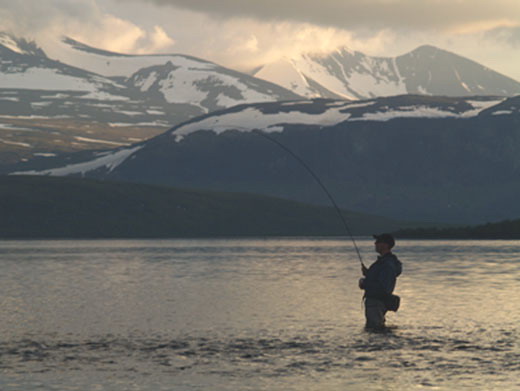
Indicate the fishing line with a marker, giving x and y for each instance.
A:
(316, 178)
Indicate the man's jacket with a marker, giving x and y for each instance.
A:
(381, 276)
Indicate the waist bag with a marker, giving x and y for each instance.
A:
(392, 302)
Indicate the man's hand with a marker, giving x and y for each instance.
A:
(361, 283)
(364, 270)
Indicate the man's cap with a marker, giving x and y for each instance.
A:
(385, 238)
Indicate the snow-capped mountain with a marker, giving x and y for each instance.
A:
(35, 86)
(416, 157)
(176, 78)
(101, 99)
(350, 74)
(24, 66)
(48, 107)
(36, 91)
(171, 80)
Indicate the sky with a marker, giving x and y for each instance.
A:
(244, 34)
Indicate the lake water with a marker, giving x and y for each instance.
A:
(282, 314)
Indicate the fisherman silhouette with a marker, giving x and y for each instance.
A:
(379, 282)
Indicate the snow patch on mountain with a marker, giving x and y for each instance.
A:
(110, 161)
(145, 83)
(480, 105)
(347, 74)
(15, 127)
(355, 105)
(104, 62)
(285, 74)
(364, 84)
(407, 112)
(99, 141)
(205, 85)
(181, 87)
(423, 111)
(104, 96)
(50, 79)
(10, 43)
(15, 143)
(255, 119)
(320, 73)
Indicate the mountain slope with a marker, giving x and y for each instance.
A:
(409, 157)
(354, 75)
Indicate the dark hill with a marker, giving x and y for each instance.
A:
(47, 207)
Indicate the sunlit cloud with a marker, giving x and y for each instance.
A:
(83, 20)
(112, 34)
(159, 41)
(483, 26)
(507, 35)
(272, 41)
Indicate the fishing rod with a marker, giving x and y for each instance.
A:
(317, 179)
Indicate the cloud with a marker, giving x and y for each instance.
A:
(247, 43)
(354, 14)
(84, 20)
(507, 35)
(23, 19)
(158, 41)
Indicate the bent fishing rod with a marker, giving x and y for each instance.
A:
(316, 178)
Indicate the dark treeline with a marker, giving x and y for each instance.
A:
(507, 229)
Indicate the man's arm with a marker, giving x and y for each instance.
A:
(364, 269)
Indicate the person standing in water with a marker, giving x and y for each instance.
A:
(379, 282)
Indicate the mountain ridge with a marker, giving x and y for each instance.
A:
(352, 74)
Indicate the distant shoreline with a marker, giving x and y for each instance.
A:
(502, 230)
(245, 238)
